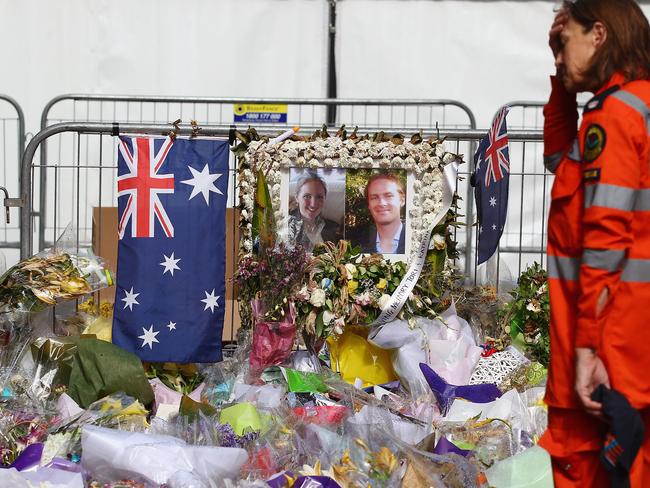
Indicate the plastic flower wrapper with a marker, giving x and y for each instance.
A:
(22, 424)
(355, 358)
(219, 381)
(171, 381)
(529, 469)
(117, 411)
(41, 477)
(204, 430)
(60, 273)
(510, 408)
(15, 335)
(490, 439)
(52, 361)
(272, 340)
(411, 428)
(424, 470)
(449, 335)
(110, 454)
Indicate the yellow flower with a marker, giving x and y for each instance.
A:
(382, 284)
(352, 285)
(384, 461)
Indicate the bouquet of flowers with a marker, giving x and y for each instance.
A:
(272, 280)
(526, 319)
(346, 287)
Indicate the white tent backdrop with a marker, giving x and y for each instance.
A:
(481, 53)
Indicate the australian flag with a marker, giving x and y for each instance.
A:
(490, 179)
(169, 301)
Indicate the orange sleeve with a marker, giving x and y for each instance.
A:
(560, 119)
(612, 141)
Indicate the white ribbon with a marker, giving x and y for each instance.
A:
(404, 289)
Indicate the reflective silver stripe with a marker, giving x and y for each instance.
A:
(610, 196)
(607, 259)
(642, 202)
(551, 162)
(574, 152)
(636, 270)
(563, 268)
(636, 103)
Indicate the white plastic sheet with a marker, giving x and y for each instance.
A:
(448, 347)
(41, 478)
(112, 454)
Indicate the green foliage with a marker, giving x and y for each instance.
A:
(527, 317)
(263, 219)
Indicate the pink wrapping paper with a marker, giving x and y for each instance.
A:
(272, 341)
(163, 394)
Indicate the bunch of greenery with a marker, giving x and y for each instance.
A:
(527, 317)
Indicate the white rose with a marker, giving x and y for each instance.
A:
(351, 269)
(327, 317)
(317, 298)
(383, 301)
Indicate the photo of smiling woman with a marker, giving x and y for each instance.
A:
(378, 198)
(316, 206)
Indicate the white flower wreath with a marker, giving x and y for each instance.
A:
(424, 160)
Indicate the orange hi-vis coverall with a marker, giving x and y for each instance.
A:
(598, 242)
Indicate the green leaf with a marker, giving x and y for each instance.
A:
(328, 302)
(263, 219)
(320, 326)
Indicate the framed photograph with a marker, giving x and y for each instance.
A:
(381, 195)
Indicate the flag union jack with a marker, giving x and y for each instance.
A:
(496, 153)
(143, 185)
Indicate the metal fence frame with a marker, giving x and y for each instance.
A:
(336, 103)
(470, 135)
(456, 136)
(20, 145)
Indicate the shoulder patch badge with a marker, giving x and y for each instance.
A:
(596, 103)
(592, 174)
(595, 139)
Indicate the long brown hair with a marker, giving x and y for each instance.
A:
(627, 47)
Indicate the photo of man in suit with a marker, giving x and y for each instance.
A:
(386, 198)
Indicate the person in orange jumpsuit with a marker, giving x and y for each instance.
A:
(598, 232)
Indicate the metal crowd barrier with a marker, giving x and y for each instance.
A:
(391, 114)
(12, 140)
(88, 178)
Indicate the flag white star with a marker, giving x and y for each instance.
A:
(493, 202)
(203, 182)
(170, 264)
(130, 299)
(171, 325)
(210, 301)
(494, 226)
(149, 337)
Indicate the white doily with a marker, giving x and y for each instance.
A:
(495, 368)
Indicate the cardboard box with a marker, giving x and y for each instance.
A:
(105, 243)
(105, 238)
